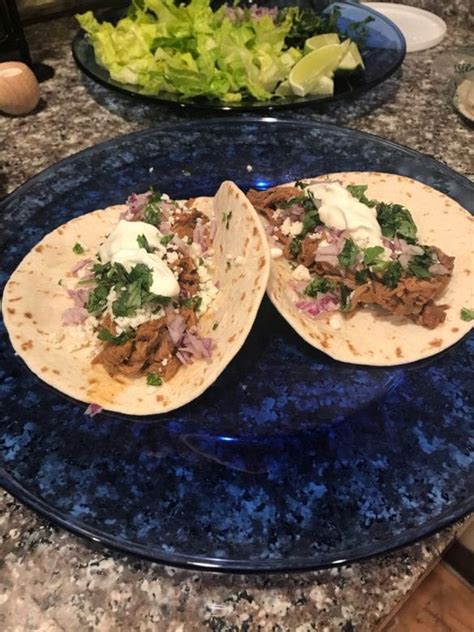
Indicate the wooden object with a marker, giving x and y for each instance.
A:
(19, 89)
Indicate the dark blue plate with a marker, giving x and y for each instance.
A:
(384, 53)
(291, 460)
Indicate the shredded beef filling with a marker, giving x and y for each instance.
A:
(151, 350)
(413, 297)
(185, 223)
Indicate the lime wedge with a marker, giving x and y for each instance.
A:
(307, 72)
(352, 60)
(318, 41)
(324, 87)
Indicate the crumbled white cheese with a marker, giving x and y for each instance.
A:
(239, 260)
(301, 273)
(142, 316)
(296, 228)
(285, 228)
(276, 252)
(291, 228)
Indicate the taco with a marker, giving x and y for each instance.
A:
(375, 268)
(133, 308)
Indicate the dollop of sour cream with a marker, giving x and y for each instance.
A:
(339, 209)
(121, 246)
(124, 237)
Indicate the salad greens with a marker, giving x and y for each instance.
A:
(191, 50)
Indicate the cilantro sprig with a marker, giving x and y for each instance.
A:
(120, 339)
(151, 213)
(349, 254)
(78, 249)
(318, 285)
(467, 314)
(396, 221)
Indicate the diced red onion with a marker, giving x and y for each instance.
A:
(136, 203)
(181, 245)
(93, 409)
(176, 328)
(74, 316)
(165, 227)
(183, 358)
(438, 268)
(79, 296)
(193, 347)
(199, 236)
(80, 265)
(319, 305)
(269, 229)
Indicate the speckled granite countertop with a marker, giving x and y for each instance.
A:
(54, 581)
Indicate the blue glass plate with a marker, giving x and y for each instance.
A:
(291, 460)
(383, 55)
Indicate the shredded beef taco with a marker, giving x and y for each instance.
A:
(371, 268)
(138, 308)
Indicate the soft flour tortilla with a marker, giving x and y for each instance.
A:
(371, 336)
(33, 304)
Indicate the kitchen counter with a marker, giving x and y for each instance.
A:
(54, 581)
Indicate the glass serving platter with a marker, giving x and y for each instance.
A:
(291, 460)
(383, 55)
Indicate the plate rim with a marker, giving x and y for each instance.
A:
(222, 565)
(272, 565)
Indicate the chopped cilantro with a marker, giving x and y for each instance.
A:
(153, 379)
(300, 185)
(391, 273)
(106, 336)
(467, 314)
(193, 302)
(361, 276)
(419, 265)
(228, 265)
(78, 249)
(295, 247)
(349, 254)
(311, 217)
(201, 261)
(151, 213)
(317, 285)
(345, 298)
(132, 289)
(143, 243)
(396, 221)
(165, 240)
(60, 282)
(358, 191)
(371, 255)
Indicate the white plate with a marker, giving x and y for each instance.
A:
(421, 28)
